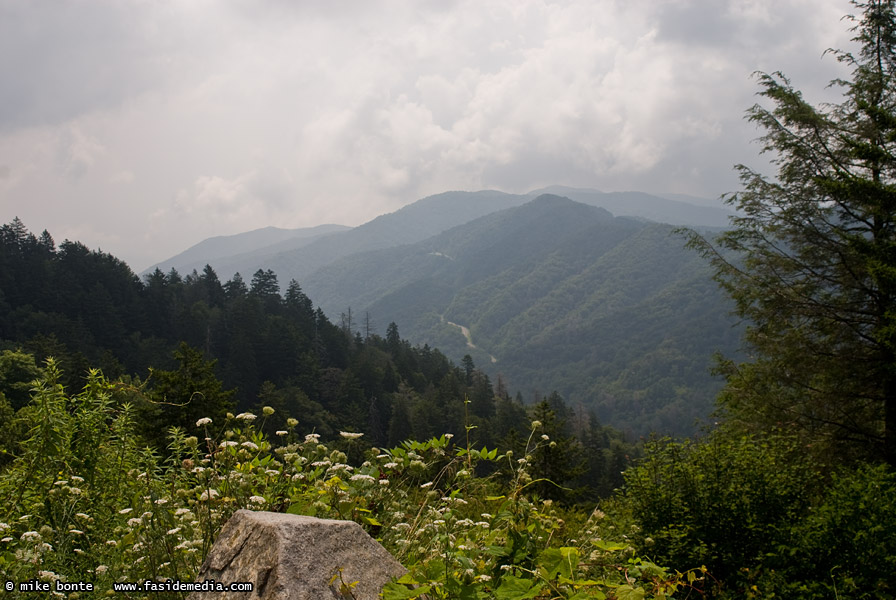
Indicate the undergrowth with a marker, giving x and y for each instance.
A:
(84, 502)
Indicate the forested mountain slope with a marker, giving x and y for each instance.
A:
(611, 312)
(295, 256)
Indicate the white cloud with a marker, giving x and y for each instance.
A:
(173, 122)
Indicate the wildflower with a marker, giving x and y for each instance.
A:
(545, 437)
(246, 416)
(134, 522)
(47, 575)
(4, 526)
(390, 465)
(267, 411)
(113, 543)
(350, 435)
(181, 512)
(227, 443)
(161, 501)
(77, 479)
(100, 569)
(282, 433)
(384, 482)
(6, 539)
(203, 422)
(61, 482)
(125, 511)
(290, 422)
(82, 516)
(76, 531)
(174, 531)
(249, 445)
(485, 578)
(360, 477)
(208, 494)
(29, 536)
(74, 491)
(312, 438)
(448, 436)
(24, 517)
(536, 424)
(256, 499)
(426, 485)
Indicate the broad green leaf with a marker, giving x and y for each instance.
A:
(514, 588)
(627, 592)
(559, 562)
(396, 591)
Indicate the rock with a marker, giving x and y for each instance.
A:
(291, 557)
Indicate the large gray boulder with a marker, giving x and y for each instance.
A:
(291, 557)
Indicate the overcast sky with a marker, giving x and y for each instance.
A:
(142, 127)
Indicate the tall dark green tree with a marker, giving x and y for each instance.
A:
(811, 258)
(184, 395)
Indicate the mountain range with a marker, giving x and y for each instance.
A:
(544, 291)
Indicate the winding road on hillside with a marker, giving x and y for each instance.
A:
(466, 332)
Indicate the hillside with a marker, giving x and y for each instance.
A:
(611, 312)
(296, 254)
(242, 251)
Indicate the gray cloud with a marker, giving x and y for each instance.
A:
(144, 127)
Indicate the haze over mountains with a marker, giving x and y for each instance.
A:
(548, 290)
(296, 253)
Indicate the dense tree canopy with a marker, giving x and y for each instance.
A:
(815, 273)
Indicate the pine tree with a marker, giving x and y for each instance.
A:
(811, 258)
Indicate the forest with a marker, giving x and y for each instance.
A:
(193, 347)
(139, 415)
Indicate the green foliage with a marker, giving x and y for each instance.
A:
(723, 502)
(179, 398)
(814, 267)
(83, 502)
(845, 545)
(764, 519)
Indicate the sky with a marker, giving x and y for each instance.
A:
(141, 127)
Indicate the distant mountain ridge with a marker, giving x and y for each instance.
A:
(236, 251)
(299, 256)
(547, 291)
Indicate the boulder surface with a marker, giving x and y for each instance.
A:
(291, 557)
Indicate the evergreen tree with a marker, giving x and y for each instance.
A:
(558, 458)
(185, 395)
(811, 258)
